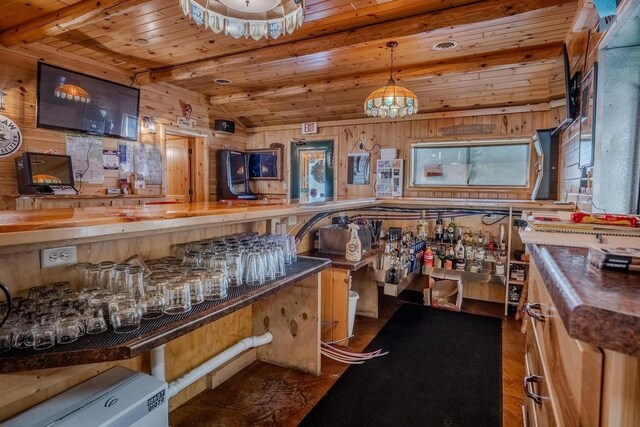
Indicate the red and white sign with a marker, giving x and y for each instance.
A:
(309, 128)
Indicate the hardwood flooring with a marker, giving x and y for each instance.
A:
(267, 395)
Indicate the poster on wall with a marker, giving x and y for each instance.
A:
(111, 160)
(389, 179)
(358, 168)
(144, 160)
(87, 158)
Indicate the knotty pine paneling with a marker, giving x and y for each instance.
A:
(399, 135)
(162, 101)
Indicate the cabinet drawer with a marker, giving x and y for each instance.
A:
(540, 412)
(574, 367)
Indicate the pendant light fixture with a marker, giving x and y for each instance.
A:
(72, 92)
(257, 19)
(392, 100)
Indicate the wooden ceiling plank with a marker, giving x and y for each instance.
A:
(467, 64)
(65, 19)
(459, 16)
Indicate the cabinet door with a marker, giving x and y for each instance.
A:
(538, 401)
(574, 367)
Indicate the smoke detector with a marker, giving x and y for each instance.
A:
(222, 82)
(451, 44)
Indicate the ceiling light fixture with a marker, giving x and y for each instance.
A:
(451, 44)
(392, 100)
(257, 19)
(222, 82)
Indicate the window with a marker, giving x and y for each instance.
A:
(487, 163)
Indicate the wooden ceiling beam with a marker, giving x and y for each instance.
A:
(473, 13)
(65, 19)
(474, 63)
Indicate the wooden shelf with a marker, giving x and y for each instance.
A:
(519, 262)
(516, 282)
(395, 290)
(109, 346)
(442, 273)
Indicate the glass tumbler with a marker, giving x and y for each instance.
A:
(196, 289)
(135, 281)
(68, 330)
(96, 322)
(125, 316)
(152, 305)
(215, 286)
(81, 274)
(5, 339)
(119, 283)
(177, 298)
(105, 276)
(254, 272)
(234, 267)
(44, 335)
(22, 336)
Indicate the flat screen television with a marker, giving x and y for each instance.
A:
(40, 173)
(572, 93)
(77, 102)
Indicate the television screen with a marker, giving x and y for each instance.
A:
(50, 169)
(237, 166)
(74, 101)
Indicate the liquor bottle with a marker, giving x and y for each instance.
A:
(460, 258)
(439, 227)
(428, 258)
(422, 226)
(392, 273)
(452, 230)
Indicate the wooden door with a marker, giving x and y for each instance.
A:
(178, 169)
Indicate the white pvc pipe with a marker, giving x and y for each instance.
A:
(157, 362)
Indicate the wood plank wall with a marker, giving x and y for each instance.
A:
(399, 135)
(161, 101)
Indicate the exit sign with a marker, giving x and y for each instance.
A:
(309, 128)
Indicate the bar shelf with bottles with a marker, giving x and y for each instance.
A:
(452, 253)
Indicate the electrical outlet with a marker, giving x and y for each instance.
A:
(58, 257)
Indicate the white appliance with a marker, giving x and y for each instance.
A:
(117, 397)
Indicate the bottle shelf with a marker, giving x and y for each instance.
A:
(513, 261)
(464, 276)
(516, 282)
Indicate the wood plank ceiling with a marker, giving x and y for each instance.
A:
(505, 55)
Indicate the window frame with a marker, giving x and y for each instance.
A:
(470, 142)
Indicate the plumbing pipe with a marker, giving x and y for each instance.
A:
(157, 362)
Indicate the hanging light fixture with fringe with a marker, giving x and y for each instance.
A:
(392, 100)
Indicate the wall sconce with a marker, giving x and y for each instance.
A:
(2, 95)
(149, 125)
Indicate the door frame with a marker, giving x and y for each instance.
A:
(199, 159)
(317, 144)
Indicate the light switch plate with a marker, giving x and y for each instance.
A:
(58, 257)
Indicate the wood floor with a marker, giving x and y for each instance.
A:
(267, 395)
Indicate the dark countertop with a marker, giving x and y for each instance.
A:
(109, 346)
(339, 261)
(599, 307)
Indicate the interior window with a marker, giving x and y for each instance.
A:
(471, 163)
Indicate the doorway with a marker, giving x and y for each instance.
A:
(179, 186)
(312, 171)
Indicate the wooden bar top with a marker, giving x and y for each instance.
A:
(109, 346)
(599, 307)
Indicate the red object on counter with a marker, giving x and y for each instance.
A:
(606, 219)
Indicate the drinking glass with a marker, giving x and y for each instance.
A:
(106, 275)
(215, 286)
(35, 291)
(195, 289)
(60, 287)
(93, 277)
(152, 305)
(279, 260)
(44, 335)
(234, 267)
(177, 298)
(268, 262)
(292, 248)
(125, 315)
(135, 281)
(22, 336)
(70, 299)
(283, 241)
(82, 274)
(5, 339)
(100, 301)
(254, 272)
(192, 257)
(68, 330)
(119, 283)
(96, 322)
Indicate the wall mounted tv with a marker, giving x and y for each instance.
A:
(74, 101)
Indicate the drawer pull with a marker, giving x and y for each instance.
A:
(537, 316)
(530, 394)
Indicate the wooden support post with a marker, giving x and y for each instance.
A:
(293, 317)
(335, 305)
(366, 286)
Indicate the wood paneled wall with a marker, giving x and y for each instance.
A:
(400, 135)
(161, 101)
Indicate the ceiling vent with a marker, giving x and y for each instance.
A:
(222, 82)
(446, 45)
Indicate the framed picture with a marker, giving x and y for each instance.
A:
(587, 117)
(265, 164)
(358, 168)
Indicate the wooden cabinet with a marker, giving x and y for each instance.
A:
(570, 370)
